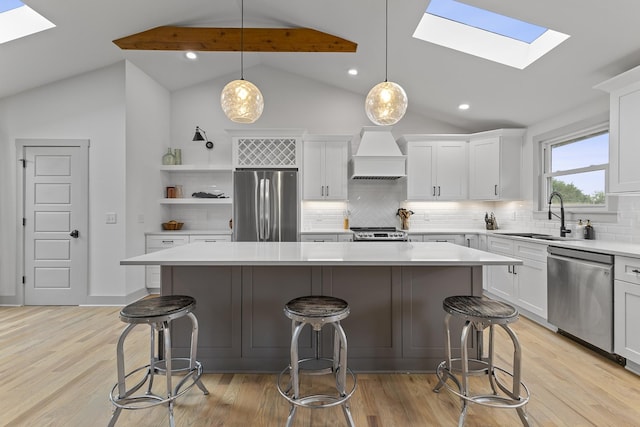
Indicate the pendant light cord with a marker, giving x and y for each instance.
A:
(242, 40)
(386, 40)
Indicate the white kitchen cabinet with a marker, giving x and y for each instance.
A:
(523, 285)
(495, 164)
(209, 238)
(626, 310)
(456, 239)
(325, 167)
(624, 131)
(326, 237)
(436, 166)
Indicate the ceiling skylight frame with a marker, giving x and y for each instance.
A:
(21, 21)
(486, 44)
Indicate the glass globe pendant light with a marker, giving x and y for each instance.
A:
(241, 100)
(386, 102)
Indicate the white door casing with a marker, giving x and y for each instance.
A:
(55, 188)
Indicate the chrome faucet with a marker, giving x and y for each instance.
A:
(563, 229)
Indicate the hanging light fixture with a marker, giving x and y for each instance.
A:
(386, 102)
(241, 100)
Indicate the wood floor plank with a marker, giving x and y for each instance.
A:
(57, 366)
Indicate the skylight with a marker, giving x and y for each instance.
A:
(486, 34)
(19, 20)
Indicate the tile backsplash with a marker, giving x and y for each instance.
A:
(375, 203)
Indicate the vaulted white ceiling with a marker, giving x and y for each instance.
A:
(604, 42)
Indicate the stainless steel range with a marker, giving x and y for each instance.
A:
(378, 234)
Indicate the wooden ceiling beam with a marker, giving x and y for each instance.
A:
(228, 40)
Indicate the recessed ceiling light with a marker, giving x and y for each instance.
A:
(353, 72)
(191, 55)
(464, 106)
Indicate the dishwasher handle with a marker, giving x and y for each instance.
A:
(596, 257)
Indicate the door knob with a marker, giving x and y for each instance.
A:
(75, 234)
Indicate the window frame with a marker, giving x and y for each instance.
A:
(544, 144)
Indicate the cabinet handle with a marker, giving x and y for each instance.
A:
(327, 191)
(434, 191)
(635, 270)
(495, 190)
(322, 191)
(167, 241)
(514, 270)
(468, 243)
(509, 269)
(438, 191)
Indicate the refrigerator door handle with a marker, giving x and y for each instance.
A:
(267, 210)
(261, 211)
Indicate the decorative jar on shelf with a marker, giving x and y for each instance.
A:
(169, 158)
(177, 154)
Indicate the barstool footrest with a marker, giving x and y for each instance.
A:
(309, 401)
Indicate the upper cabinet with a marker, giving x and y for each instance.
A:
(495, 164)
(624, 131)
(324, 170)
(436, 166)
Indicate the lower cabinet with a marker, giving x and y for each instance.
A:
(522, 285)
(457, 239)
(326, 237)
(626, 309)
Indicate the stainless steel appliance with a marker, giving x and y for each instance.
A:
(265, 205)
(580, 295)
(377, 234)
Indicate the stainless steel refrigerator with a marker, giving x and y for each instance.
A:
(265, 205)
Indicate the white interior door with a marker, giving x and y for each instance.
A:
(55, 225)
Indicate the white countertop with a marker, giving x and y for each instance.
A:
(325, 253)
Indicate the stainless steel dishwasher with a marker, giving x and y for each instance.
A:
(580, 295)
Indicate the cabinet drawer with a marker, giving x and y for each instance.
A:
(457, 239)
(209, 238)
(162, 242)
(319, 238)
(534, 251)
(502, 246)
(627, 269)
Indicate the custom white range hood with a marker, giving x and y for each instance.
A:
(378, 155)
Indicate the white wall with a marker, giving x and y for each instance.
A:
(90, 106)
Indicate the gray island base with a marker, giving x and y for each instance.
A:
(395, 291)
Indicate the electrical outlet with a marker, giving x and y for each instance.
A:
(140, 218)
(111, 217)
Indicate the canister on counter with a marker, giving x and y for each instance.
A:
(589, 231)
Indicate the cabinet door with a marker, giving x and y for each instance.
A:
(209, 238)
(335, 170)
(420, 173)
(451, 170)
(624, 149)
(500, 280)
(313, 179)
(531, 286)
(319, 238)
(484, 169)
(626, 308)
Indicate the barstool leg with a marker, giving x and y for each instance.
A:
(341, 375)
(167, 357)
(152, 356)
(295, 380)
(464, 362)
(491, 372)
(517, 356)
(193, 351)
(122, 386)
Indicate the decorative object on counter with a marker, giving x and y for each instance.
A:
(345, 222)
(589, 231)
(404, 215)
(169, 158)
(177, 154)
(172, 225)
(198, 137)
(171, 192)
(386, 102)
(491, 221)
(241, 100)
(580, 230)
(179, 192)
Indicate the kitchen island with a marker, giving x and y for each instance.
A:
(395, 291)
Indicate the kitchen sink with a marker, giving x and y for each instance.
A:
(537, 236)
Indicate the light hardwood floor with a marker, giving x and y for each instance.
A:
(57, 366)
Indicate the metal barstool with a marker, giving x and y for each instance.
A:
(158, 314)
(479, 313)
(317, 311)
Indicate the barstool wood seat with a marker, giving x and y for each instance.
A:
(480, 313)
(157, 313)
(317, 311)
